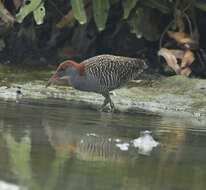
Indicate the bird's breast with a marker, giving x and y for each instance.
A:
(85, 83)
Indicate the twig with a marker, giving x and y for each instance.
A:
(187, 7)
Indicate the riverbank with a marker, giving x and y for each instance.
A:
(175, 96)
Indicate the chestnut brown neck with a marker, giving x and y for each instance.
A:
(69, 63)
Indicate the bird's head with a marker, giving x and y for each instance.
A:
(65, 71)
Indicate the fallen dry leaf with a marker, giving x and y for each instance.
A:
(170, 59)
(179, 54)
(187, 59)
(181, 37)
(186, 71)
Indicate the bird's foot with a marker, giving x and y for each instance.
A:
(112, 106)
(108, 109)
(107, 101)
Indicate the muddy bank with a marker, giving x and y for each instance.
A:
(172, 96)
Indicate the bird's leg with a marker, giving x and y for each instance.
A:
(106, 101)
(111, 104)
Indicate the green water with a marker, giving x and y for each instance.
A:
(54, 148)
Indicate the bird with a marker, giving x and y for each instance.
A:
(99, 74)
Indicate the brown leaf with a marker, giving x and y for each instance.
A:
(170, 59)
(179, 54)
(66, 20)
(181, 37)
(187, 59)
(186, 71)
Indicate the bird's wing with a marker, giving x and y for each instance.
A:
(111, 71)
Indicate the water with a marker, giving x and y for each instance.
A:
(49, 147)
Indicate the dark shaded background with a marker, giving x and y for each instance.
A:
(46, 44)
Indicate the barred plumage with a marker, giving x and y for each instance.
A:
(100, 74)
(112, 72)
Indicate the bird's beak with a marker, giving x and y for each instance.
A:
(55, 77)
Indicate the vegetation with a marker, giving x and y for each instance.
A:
(62, 27)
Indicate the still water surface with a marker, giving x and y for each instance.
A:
(65, 148)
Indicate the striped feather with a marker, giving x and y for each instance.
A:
(111, 72)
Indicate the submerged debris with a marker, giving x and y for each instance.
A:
(117, 140)
(123, 146)
(92, 134)
(145, 143)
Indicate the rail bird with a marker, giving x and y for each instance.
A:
(100, 74)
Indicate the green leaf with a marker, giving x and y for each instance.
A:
(26, 9)
(39, 14)
(100, 11)
(163, 6)
(79, 11)
(200, 5)
(128, 5)
(143, 23)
